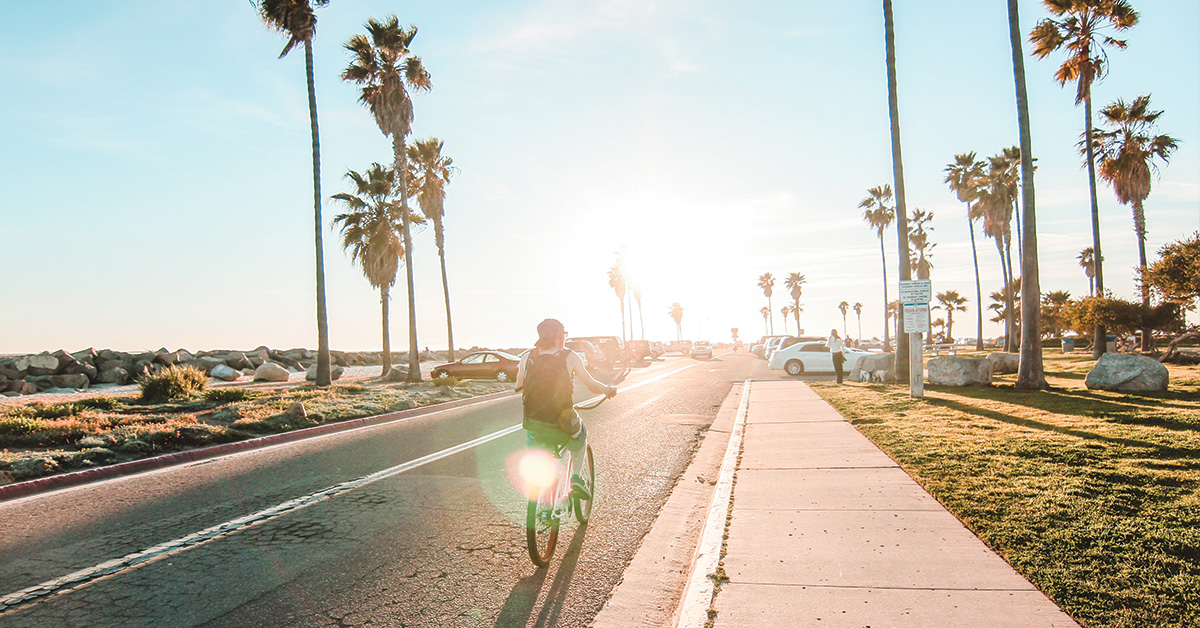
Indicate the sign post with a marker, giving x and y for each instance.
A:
(914, 298)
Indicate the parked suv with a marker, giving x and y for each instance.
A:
(612, 350)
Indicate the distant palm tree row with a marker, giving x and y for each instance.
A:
(376, 228)
(795, 285)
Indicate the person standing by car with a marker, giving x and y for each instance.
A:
(546, 379)
(838, 349)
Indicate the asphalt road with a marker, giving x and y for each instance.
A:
(441, 544)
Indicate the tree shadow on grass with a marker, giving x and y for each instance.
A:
(1157, 450)
(1069, 401)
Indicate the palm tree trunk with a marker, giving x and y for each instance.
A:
(886, 325)
(771, 314)
(622, 301)
(1099, 334)
(978, 288)
(796, 311)
(859, 326)
(441, 244)
(323, 378)
(384, 297)
(1030, 372)
(1139, 227)
(1010, 323)
(902, 341)
(1007, 282)
(414, 356)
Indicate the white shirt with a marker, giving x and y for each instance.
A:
(835, 344)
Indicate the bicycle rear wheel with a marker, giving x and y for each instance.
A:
(583, 508)
(541, 526)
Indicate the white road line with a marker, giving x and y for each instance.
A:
(83, 577)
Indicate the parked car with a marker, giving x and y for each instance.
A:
(611, 349)
(811, 357)
(702, 350)
(759, 348)
(496, 365)
(682, 346)
(657, 349)
(592, 358)
(642, 349)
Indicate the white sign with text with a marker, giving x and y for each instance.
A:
(916, 291)
(916, 318)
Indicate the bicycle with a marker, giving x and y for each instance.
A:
(555, 500)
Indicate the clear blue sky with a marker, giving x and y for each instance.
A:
(157, 187)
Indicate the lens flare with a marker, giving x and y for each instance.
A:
(532, 470)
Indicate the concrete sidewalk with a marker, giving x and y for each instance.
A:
(826, 530)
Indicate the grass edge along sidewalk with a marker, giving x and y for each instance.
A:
(1093, 496)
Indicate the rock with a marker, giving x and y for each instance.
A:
(271, 372)
(397, 374)
(225, 373)
(6, 477)
(74, 366)
(338, 358)
(285, 360)
(166, 358)
(27, 388)
(1004, 362)
(875, 363)
(237, 360)
(108, 355)
(183, 355)
(296, 410)
(10, 373)
(955, 371)
(113, 375)
(141, 368)
(41, 364)
(259, 356)
(248, 372)
(1127, 373)
(335, 372)
(71, 380)
(89, 355)
(208, 363)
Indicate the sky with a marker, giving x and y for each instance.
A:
(157, 187)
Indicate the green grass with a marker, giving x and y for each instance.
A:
(1094, 496)
(174, 383)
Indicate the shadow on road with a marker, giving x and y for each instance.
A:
(518, 608)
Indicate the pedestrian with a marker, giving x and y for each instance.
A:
(837, 348)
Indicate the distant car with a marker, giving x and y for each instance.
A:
(611, 350)
(702, 350)
(657, 349)
(682, 346)
(591, 355)
(641, 349)
(811, 357)
(496, 365)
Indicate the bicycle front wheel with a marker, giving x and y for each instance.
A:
(583, 508)
(541, 527)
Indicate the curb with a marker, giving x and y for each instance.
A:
(76, 478)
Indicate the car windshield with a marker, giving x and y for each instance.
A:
(508, 356)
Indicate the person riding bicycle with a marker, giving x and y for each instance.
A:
(546, 377)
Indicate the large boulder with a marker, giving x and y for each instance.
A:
(1124, 372)
(955, 371)
(285, 360)
(9, 372)
(40, 364)
(113, 375)
(78, 367)
(335, 372)
(884, 363)
(396, 374)
(259, 356)
(271, 372)
(1004, 362)
(225, 373)
(237, 360)
(208, 363)
(46, 382)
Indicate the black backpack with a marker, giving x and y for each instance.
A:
(548, 388)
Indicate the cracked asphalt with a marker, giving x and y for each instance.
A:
(440, 545)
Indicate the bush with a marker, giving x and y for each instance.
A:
(177, 382)
(39, 410)
(99, 403)
(20, 425)
(222, 396)
(447, 380)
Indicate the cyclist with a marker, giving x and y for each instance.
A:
(546, 378)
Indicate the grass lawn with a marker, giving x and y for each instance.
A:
(39, 439)
(1094, 496)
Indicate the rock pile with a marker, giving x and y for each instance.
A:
(28, 374)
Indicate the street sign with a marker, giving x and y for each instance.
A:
(916, 291)
(916, 318)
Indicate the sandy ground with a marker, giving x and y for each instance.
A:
(350, 375)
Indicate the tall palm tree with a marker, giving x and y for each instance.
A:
(676, 313)
(795, 285)
(616, 279)
(1087, 261)
(429, 174)
(767, 283)
(386, 69)
(766, 313)
(889, 32)
(878, 214)
(858, 312)
(964, 177)
(995, 201)
(369, 234)
(1078, 28)
(918, 237)
(1030, 371)
(1053, 305)
(844, 307)
(786, 311)
(1127, 154)
(637, 296)
(951, 301)
(296, 19)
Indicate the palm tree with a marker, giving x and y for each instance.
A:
(964, 177)
(369, 234)
(676, 313)
(1053, 305)
(795, 285)
(1000, 300)
(1079, 32)
(1030, 371)
(995, 201)
(878, 214)
(429, 174)
(767, 282)
(786, 311)
(951, 301)
(296, 19)
(889, 32)
(616, 279)
(858, 312)
(386, 69)
(918, 237)
(1127, 154)
(844, 307)
(766, 313)
(1087, 261)
(637, 296)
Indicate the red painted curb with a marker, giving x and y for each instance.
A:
(75, 478)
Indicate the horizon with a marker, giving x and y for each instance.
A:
(160, 188)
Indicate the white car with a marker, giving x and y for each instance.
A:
(811, 357)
